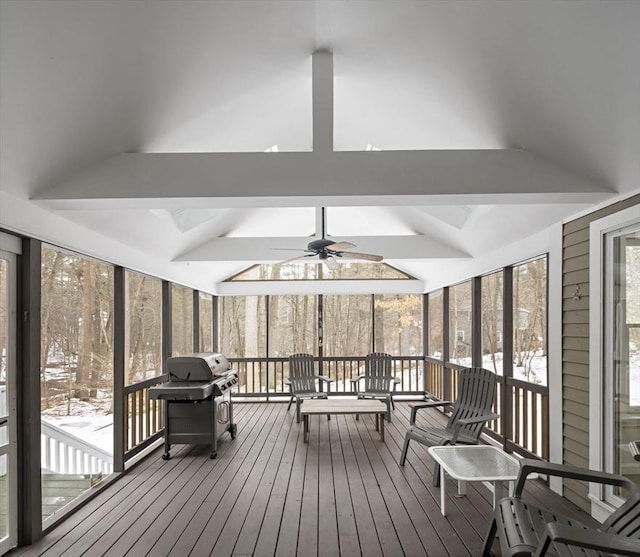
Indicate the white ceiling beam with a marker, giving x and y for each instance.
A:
(310, 287)
(322, 177)
(273, 249)
(219, 180)
(322, 100)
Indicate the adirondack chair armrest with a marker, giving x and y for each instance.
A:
(287, 380)
(327, 380)
(374, 377)
(420, 405)
(530, 466)
(588, 539)
(467, 421)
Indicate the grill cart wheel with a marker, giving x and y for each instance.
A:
(214, 454)
(166, 456)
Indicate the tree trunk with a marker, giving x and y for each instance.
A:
(81, 390)
(47, 291)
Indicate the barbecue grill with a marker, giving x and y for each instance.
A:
(197, 400)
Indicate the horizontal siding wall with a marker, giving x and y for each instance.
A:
(575, 344)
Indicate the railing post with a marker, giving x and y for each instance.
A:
(506, 411)
(425, 341)
(545, 427)
(476, 322)
(446, 375)
(320, 339)
(119, 358)
(267, 304)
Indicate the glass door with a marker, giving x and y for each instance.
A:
(622, 353)
(8, 447)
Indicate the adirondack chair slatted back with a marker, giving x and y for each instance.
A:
(476, 391)
(378, 374)
(625, 520)
(302, 374)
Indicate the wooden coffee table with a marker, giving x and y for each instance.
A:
(315, 407)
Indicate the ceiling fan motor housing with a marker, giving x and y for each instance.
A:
(320, 245)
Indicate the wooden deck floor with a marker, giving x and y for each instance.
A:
(268, 493)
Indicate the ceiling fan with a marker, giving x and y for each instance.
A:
(328, 250)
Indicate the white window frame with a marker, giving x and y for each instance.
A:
(598, 419)
(9, 248)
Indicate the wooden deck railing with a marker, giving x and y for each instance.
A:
(530, 417)
(143, 416)
(523, 426)
(265, 376)
(523, 407)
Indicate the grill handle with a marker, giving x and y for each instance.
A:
(223, 412)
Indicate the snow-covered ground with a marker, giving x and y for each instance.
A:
(537, 366)
(91, 422)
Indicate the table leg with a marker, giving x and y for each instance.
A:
(462, 488)
(381, 419)
(305, 428)
(498, 492)
(443, 492)
(377, 424)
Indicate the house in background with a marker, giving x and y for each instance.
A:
(187, 141)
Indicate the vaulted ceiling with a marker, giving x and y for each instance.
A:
(136, 131)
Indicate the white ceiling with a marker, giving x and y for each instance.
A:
(495, 120)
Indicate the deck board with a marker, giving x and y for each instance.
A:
(268, 493)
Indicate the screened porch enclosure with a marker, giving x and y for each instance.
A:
(106, 333)
(497, 322)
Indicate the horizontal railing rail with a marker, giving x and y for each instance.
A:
(64, 453)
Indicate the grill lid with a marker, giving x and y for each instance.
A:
(203, 366)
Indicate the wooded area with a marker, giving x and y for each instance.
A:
(348, 325)
(77, 324)
(143, 327)
(77, 331)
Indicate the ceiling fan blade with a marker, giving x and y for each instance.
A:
(295, 258)
(339, 246)
(330, 262)
(290, 249)
(367, 256)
